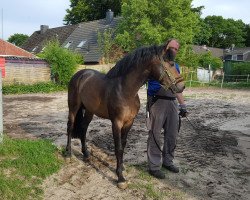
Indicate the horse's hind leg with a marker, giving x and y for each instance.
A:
(88, 116)
(74, 105)
(70, 127)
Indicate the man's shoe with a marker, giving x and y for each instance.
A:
(171, 168)
(157, 174)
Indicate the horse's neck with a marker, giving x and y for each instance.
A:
(132, 82)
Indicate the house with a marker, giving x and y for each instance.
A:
(36, 42)
(237, 54)
(19, 66)
(216, 52)
(81, 38)
(9, 49)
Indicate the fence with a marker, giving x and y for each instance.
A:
(222, 79)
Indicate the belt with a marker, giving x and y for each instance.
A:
(156, 97)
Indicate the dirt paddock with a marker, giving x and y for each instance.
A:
(214, 159)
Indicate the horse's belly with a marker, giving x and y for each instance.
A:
(103, 113)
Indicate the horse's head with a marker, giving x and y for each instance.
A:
(165, 71)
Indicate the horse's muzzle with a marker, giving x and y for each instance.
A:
(178, 88)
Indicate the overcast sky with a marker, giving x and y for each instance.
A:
(26, 16)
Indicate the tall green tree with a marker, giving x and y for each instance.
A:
(89, 10)
(247, 36)
(207, 59)
(147, 22)
(203, 34)
(18, 39)
(105, 43)
(224, 32)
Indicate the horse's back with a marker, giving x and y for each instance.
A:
(90, 86)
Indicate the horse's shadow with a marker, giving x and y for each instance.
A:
(103, 163)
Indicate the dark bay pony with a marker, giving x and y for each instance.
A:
(114, 96)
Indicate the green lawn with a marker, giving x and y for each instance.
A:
(24, 164)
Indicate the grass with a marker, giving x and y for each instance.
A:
(52, 87)
(229, 85)
(24, 164)
(146, 183)
(35, 88)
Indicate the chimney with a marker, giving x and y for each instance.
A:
(43, 28)
(109, 16)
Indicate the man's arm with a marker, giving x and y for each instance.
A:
(182, 105)
(180, 98)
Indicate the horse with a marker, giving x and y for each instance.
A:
(114, 96)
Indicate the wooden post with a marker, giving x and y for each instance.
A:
(223, 74)
(191, 79)
(1, 109)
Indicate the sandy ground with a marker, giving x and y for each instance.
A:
(214, 159)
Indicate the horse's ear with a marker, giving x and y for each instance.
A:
(167, 45)
(168, 55)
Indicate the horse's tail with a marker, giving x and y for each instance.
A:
(78, 124)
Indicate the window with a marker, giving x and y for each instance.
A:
(43, 49)
(239, 57)
(81, 44)
(35, 48)
(234, 57)
(68, 44)
(228, 57)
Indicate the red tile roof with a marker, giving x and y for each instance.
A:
(8, 49)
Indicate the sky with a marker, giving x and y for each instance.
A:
(17, 16)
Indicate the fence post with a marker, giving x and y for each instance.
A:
(247, 78)
(191, 79)
(223, 76)
(1, 109)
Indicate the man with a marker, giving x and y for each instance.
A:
(163, 113)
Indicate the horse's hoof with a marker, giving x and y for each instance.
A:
(67, 159)
(86, 154)
(122, 185)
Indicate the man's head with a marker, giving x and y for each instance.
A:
(174, 45)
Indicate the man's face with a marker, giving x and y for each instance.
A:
(174, 46)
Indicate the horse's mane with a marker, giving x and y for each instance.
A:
(135, 59)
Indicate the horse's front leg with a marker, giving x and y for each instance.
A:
(116, 128)
(124, 133)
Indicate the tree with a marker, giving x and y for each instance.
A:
(105, 43)
(63, 62)
(89, 10)
(203, 34)
(18, 39)
(207, 59)
(224, 32)
(147, 22)
(247, 36)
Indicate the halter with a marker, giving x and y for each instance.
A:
(172, 78)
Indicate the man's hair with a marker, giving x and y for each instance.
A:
(171, 39)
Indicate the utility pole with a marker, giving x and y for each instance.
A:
(2, 23)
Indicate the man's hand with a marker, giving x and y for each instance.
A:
(183, 110)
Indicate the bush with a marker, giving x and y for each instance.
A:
(63, 62)
(241, 68)
(36, 88)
